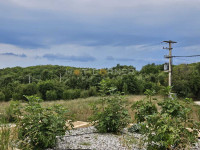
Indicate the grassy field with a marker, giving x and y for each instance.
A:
(81, 108)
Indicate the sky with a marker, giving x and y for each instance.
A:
(97, 33)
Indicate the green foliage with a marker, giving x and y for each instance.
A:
(84, 94)
(172, 107)
(39, 126)
(14, 82)
(150, 68)
(144, 107)
(2, 96)
(133, 84)
(45, 86)
(71, 94)
(150, 93)
(13, 111)
(110, 115)
(166, 129)
(92, 91)
(125, 88)
(164, 132)
(51, 95)
(166, 91)
(30, 89)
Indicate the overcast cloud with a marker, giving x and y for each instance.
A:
(97, 33)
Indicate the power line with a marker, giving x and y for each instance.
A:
(182, 56)
(188, 56)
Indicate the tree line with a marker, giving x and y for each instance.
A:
(53, 82)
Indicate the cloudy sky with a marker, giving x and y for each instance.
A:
(97, 33)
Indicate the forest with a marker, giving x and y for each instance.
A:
(53, 82)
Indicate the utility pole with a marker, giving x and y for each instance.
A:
(170, 61)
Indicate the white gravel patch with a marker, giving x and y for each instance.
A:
(88, 138)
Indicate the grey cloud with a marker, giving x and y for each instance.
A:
(69, 58)
(111, 58)
(13, 54)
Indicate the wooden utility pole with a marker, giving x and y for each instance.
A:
(170, 60)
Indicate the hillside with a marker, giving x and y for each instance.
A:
(53, 82)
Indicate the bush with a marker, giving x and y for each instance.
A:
(92, 91)
(84, 94)
(30, 89)
(166, 129)
(144, 107)
(51, 95)
(17, 96)
(2, 96)
(164, 132)
(111, 115)
(71, 94)
(39, 126)
(12, 113)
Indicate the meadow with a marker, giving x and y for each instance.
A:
(81, 108)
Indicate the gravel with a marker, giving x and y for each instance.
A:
(88, 138)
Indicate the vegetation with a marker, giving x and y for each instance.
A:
(110, 114)
(51, 82)
(39, 126)
(172, 127)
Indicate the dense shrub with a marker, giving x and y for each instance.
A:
(17, 96)
(84, 94)
(39, 126)
(8, 93)
(71, 94)
(110, 114)
(45, 86)
(13, 111)
(2, 96)
(51, 95)
(144, 107)
(30, 89)
(166, 129)
(92, 91)
(133, 84)
(164, 132)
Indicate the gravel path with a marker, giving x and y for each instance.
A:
(88, 138)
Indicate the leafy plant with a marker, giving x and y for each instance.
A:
(172, 107)
(144, 107)
(2, 96)
(51, 95)
(164, 132)
(170, 128)
(109, 113)
(39, 126)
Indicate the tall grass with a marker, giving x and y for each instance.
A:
(8, 136)
(81, 108)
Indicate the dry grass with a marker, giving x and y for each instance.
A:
(81, 108)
